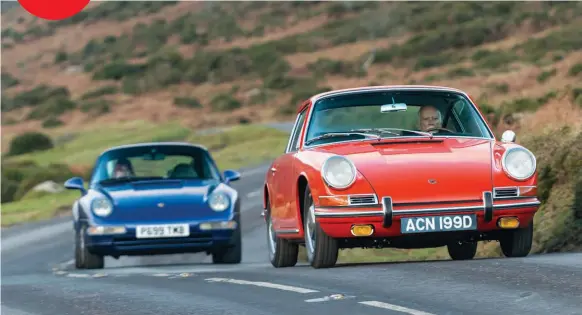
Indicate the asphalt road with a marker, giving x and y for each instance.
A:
(38, 278)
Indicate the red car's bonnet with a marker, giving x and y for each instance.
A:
(422, 170)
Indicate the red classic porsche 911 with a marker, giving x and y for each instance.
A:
(401, 167)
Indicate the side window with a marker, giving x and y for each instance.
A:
(464, 118)
(294, 140)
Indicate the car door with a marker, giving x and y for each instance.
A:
(283, 212)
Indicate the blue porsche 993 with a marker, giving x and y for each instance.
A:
(156, 198)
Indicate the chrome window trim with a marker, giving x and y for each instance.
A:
(321, 96)
(291, 135)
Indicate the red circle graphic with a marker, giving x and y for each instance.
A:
(53, 9)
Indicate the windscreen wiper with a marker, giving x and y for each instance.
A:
(341, 134)
(428, 134)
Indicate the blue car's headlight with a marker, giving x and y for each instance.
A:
(218, 201)
(102, 206)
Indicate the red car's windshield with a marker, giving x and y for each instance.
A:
(417, 113)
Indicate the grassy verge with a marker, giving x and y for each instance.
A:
(235, 148)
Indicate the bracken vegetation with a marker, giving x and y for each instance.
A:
(206, 64)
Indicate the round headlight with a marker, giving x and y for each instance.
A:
(519, 163)
(102, 207)
(218, 202)
(338, 172)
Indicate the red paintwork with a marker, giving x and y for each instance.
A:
(400, 168)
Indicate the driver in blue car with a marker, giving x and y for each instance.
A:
(429, 118)
(123, 168)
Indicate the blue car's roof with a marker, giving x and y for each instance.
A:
(148, 144)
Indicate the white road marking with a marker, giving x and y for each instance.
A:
(264, 285)
(396, 308)
(79, 275)
(332, 297)
(255, 193)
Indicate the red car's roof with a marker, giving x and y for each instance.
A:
(387, 87)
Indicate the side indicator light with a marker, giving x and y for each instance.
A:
(362, 230)
(508, 222)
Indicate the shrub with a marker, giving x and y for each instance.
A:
(96, 107)
(30, 142)
(35, 96)
(104, 90)
(575, 70)
(187, 102)
(52, 122)
(224, 102)
(53, 107)
(544, 76)
(8, 80)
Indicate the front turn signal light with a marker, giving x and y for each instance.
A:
(508, 222)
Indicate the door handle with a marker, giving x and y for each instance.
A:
(273, 169)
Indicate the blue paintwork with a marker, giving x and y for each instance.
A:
(136, 202)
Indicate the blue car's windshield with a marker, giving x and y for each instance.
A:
(394, 113)
(154, 162)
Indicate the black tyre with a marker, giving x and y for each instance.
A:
(322, 250)
(231, 255)
(282, 253)
(518, 242)
(83, 258)
(462, 250)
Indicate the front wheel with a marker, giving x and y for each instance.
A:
(518, 242)
(282, 252)
(83, 258)
(233, 254)
(322, 250)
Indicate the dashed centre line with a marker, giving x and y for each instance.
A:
(396, 308)
(264, 285)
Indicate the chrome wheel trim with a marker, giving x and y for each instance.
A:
(272, 240)
(310, 240)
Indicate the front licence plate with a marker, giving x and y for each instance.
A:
(445, 223)
(159, 231)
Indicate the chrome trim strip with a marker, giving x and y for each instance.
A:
(349, 214)
(364, 213)
(287, 231)
(516, 205)
(318, 97)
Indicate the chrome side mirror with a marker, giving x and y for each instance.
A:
(508, 136)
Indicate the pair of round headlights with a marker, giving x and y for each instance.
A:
(339, 172)
(217, 201)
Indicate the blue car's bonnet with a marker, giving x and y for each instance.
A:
(160, 200)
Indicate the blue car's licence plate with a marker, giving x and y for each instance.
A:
(464, 222)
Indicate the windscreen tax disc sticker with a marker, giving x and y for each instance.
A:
(53, 9)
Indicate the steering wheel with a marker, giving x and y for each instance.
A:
(436, 128)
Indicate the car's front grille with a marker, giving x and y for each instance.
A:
(360, 200)
(505, 192)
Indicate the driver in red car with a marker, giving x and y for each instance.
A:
(429, 118)
(123, 168)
